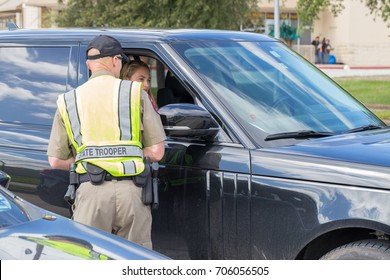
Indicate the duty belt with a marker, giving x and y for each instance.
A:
(85, 178)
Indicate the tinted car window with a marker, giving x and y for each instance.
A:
(270, 91)
(30, 82)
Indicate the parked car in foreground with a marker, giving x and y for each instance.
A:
(28, 232)
(266, 156)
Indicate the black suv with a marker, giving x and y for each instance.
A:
(266, 157)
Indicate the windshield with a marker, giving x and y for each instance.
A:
(271, 90)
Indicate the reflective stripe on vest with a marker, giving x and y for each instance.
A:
(109, 151)
(129, 167)
(124, 111)
(71, 106)
(121, 157)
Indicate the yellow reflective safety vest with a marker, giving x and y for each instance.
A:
(103, 122)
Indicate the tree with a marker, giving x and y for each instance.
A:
(308, 10)
(219, 14)
(380, 8)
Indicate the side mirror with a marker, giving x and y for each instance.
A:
(4, 179)
(189, 121)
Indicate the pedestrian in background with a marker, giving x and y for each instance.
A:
(316, 43)
(327, 49)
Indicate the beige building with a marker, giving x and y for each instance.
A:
(28, 13)
(357, 37)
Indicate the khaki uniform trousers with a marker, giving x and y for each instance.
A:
(115, 206)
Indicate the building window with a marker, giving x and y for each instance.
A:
(5, 19)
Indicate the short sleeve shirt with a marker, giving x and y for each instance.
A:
(152, 131)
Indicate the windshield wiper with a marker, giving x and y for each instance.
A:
(363, 128)
(301, 134)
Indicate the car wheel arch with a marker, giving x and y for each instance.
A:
(337, 236)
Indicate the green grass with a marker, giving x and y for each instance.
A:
(368, 91)
(382, 114)
(372, 92)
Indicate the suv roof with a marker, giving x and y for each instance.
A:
(131, 35)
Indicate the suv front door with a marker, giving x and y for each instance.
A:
(204, 184)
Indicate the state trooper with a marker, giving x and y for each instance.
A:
(106, 127)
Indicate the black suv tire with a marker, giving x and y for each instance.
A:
(361, 250)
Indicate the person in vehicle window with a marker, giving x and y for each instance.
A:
(107, 126)
(137, 70)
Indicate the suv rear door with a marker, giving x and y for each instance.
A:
(31, 77)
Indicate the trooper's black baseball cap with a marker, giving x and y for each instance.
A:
(108, 46)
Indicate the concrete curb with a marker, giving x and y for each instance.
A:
(345, 66)
(338, 70)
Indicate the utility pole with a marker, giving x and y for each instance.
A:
(276, 20)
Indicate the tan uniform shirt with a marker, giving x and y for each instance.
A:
(152, 130)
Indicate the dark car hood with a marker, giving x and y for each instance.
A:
(371, 147)
(60, 238)
(356, 159)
